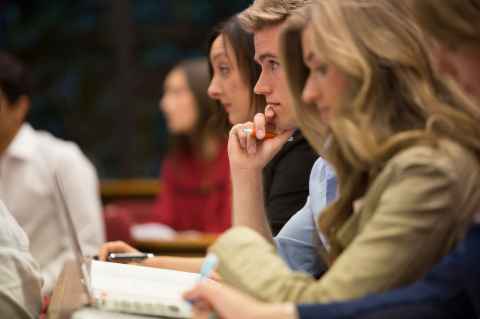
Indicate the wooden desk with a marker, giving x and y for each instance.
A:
(179, 246)
(68, 294)
(129, 188)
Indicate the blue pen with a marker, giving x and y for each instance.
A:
(208, 266)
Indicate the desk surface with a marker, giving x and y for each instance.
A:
(128, 188)
(179, 246)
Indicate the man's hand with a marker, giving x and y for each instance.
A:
(253, 152)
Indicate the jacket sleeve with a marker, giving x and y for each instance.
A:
(408, 230)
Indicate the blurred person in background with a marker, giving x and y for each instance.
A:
(29, 162)
(195, 175)
(20, 278)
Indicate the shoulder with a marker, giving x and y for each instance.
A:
(58, 148)
(322, 170)
(296, 154)
(61, 154)
(446, 156)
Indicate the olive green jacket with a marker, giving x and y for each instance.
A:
(413, 213)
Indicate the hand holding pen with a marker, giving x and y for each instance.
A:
(252, 145)
(208, 267)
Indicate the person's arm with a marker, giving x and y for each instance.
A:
(81, 190)
(411, 214)
(228, 303)
(286, 180)
(20, 278)
(248, 156)
(190, 264)
(300, 240)
(298, 243)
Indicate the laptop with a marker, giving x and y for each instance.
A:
(129, 289)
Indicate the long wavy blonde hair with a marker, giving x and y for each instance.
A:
(395, 99)
(450, 21)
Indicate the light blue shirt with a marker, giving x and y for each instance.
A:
(298, 241)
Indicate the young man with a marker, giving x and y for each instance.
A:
(29, 162)
(286, 169)
(298, 241)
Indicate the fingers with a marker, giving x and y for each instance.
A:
(203, 291)
(242, 134)
(251, 140)
(114, 247)
(201, 310)
(269, 113)
(259, 124)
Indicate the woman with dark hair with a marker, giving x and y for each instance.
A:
(195, 176)
(234, 72)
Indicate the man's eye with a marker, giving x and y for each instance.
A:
(322, 69)
(273, 65)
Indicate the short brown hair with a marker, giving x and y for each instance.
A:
(264, 13)
(450, 21)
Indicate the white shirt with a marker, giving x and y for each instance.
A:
(20, 279)
(28, 189)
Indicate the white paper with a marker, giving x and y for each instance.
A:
(141, 284)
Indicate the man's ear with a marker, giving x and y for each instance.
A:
(22, 107)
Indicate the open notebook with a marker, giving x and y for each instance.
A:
(129, 288)
(142, 290)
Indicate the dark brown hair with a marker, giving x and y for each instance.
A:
(14, 78)
(241, 42)
(197, 75)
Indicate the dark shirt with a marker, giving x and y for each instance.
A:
(451, 290)
(285, 181)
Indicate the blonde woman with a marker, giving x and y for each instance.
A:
(452, 288)
(405, 146)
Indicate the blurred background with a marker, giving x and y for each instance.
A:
(98, 68)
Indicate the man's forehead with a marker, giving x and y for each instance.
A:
(266, 42)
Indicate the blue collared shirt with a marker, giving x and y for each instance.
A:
(297, 242)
